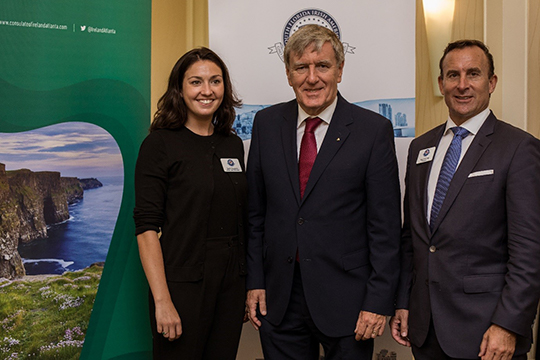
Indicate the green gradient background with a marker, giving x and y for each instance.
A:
(50, 76)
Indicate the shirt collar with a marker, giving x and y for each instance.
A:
(325, 115)
(473, 124)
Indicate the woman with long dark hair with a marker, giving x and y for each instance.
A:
(190, 186)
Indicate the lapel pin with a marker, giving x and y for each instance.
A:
(338, 139)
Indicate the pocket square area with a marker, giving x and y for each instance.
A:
(481, 173)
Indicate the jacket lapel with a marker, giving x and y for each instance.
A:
(424, 172)
(478, 146)
(335, 137)
(288, 139)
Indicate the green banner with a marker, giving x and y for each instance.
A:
(85, 61)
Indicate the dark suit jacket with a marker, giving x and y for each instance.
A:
(346, 227)
(480, 266)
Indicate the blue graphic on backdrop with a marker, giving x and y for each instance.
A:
(399, 111)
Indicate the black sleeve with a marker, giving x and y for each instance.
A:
(151, 176)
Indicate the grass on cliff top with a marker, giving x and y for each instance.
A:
(47, 319)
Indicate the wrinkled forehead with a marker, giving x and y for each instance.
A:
(314, 46)
(464, 58)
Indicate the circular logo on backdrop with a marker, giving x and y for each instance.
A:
(309, 16)
(305, 17)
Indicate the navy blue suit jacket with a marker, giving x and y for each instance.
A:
(346, 228)
(480, 265)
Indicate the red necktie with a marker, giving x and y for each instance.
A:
(308, 152)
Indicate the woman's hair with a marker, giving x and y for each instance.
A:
(172, 110)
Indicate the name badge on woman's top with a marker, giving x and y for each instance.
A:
(231, 165)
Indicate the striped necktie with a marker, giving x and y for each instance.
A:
(448, 169)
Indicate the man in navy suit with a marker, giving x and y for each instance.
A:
(323, 250)
(470, 279)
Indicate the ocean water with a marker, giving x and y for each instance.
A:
(81, 240)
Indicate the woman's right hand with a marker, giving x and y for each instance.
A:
(168, 321)
(167, 318)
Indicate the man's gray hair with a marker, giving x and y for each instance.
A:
(315, 35)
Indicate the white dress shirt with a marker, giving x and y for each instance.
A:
(320, 131)
(473, 125)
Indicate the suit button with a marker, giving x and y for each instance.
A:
(300, 221)
(290, 259)
(432, 249)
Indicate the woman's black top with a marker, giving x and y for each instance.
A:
(183, 190)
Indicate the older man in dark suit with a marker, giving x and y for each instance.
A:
(324, 213)
(470, 280)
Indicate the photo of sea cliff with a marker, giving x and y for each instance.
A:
(60, 193)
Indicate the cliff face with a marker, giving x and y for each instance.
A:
(11, 265)
(29, 201)
(42, 201)
(73, 189)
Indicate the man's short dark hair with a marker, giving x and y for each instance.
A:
(461, 44)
